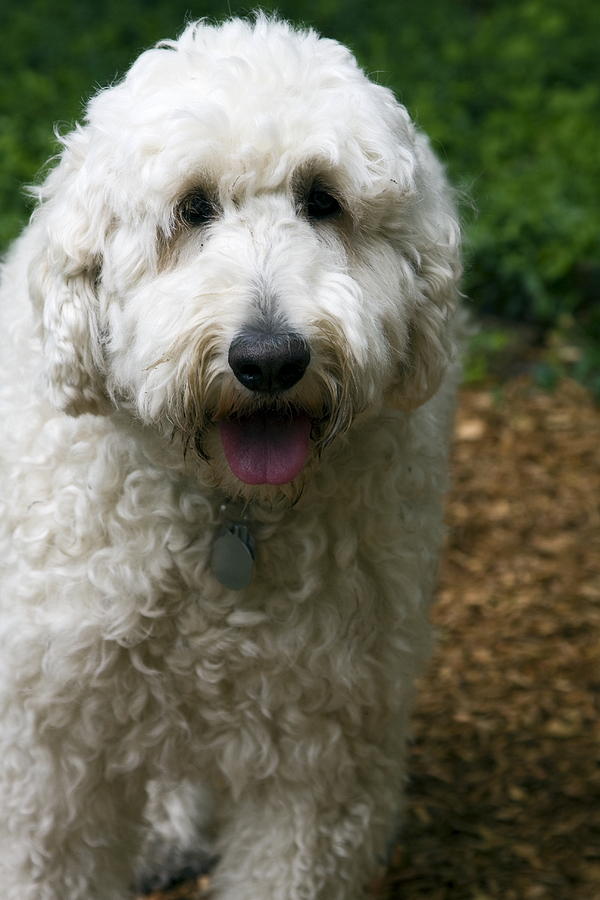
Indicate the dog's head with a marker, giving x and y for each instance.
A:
(247, 244)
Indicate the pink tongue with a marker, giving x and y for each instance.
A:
(265, 449)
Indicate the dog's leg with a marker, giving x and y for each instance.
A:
(68, 820)
(322, 839)
(179, 843)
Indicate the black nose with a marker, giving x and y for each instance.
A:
(268, 362)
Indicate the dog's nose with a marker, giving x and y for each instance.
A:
(269, 362)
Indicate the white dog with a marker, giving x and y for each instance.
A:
(227, 344)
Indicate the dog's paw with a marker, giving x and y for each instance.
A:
(169, 867)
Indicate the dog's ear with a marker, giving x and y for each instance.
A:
(432, 332)
(68, 231)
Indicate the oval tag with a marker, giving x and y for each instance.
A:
(232, 561)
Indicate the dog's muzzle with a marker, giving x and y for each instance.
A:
(270, 444)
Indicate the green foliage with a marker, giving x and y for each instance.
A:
(484, 348)
(534, 246)
(509, 92)
(587, 367)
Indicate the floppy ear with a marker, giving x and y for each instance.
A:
(432, 330)
(69, 227)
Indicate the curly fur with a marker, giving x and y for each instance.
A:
(123, 662)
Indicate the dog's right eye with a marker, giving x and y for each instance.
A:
(320, 204)
(196, 209)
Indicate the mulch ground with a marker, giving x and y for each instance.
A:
(504, 793)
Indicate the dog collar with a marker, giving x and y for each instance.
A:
(233, 550)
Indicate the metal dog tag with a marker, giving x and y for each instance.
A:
(232, 557)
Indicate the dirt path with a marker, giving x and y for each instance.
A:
(505, 793)
(504, 798)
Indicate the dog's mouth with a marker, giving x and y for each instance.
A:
(266, 446)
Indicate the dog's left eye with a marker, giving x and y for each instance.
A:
(196, 209)
(320, 204)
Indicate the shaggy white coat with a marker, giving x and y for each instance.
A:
(122, 660)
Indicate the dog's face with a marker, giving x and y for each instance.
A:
(247, 245)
